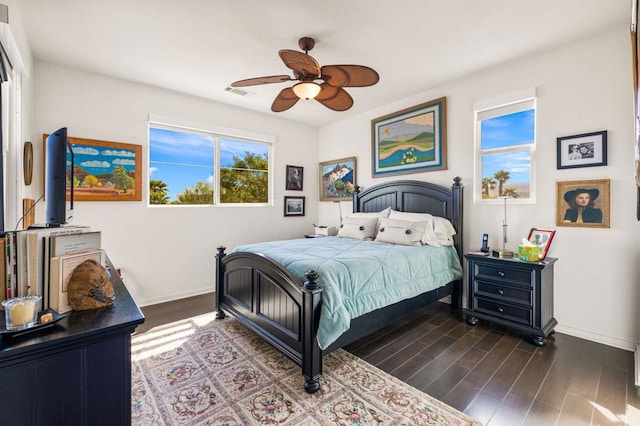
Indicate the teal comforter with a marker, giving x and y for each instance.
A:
(360, 276)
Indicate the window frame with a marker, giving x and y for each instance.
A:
(501, 105)
(216, 133)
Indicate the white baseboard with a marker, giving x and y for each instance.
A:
(175, 296)
(616, 342)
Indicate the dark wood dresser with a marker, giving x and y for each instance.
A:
(77, 372)
(512, 293)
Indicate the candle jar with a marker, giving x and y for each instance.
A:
(21, 312)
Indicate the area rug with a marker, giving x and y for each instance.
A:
(203, 371)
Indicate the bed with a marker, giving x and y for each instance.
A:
(284, 309)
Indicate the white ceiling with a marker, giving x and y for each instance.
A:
(199, 47)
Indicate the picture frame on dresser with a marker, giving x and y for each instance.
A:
(542, 238)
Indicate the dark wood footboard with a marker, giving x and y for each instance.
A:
(275, 305)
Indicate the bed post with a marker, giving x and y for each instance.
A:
(312, 355)
(219, 282)
(457, 216)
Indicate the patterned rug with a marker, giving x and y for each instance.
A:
(203, 371)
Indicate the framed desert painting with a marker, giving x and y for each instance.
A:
(337, 179)
(583, 203)
(105, 171)
(410, 141)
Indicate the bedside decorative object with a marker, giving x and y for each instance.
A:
(511, 293)
(541, 238)
(583, 203)
(504, 253)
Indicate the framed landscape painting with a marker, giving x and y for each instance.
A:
(105, 171)
(410, 141)
(337, 179)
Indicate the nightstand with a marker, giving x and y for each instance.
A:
(513, 293)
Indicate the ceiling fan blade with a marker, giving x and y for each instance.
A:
(335, 98)
(349, 75)
(300, 62)
(261, 80)
(285, 100)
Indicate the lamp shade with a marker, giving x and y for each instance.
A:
(306, 90)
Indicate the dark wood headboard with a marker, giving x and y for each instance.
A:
(417, 197)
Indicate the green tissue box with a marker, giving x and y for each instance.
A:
(529, 253)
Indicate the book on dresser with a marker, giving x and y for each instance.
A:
(61, 269)
(38, 239)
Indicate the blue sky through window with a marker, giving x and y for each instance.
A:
(504, 131)
(180, 158)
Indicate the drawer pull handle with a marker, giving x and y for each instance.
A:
(500, 292)
(500, 309)
(500, 273)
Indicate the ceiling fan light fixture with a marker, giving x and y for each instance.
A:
(306, 90)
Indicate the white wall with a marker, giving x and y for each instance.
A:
(582, 87)
(167, 253)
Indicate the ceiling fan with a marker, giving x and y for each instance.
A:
(324, 84)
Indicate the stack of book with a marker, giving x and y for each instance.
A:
(29, 255)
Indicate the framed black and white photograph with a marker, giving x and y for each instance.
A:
(294, 178)
(294, 206)
(586, 150)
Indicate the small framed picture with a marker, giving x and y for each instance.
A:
(583, 203)
(337, 179)
(294, 178)
(294, 206)
(541, 238)
(586, 150)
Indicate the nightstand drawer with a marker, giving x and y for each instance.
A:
(514, 275)
(503, 310)
(504, 292)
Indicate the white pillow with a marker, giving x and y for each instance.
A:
(429, 234)
(359, 228)
(444, 231)
(405, 232)
(439, 231)
(377, 215)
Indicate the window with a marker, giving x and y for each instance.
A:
(196, 167)
(505, 146)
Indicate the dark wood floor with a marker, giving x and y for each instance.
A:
(490, 373)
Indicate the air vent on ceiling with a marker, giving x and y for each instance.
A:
(236, 91)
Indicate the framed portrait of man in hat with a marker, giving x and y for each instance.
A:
(583, 203)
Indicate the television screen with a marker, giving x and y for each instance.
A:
(58, 177)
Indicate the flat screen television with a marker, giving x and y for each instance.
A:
(59, 167)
